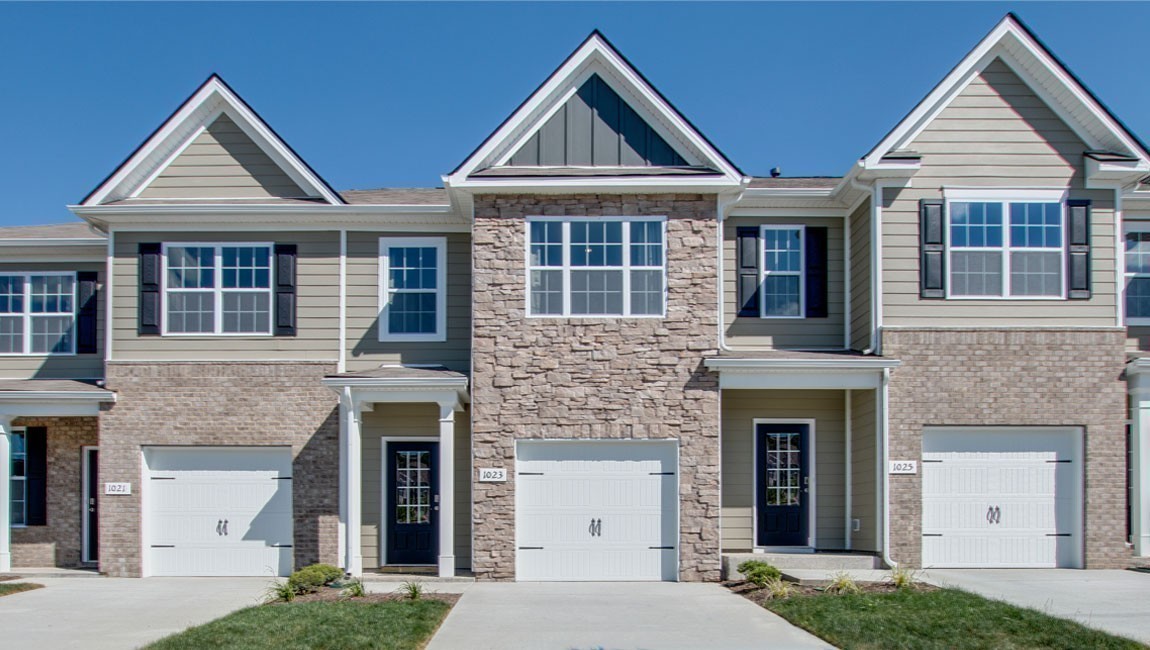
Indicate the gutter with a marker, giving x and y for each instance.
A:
(54, 242)
(56, 396)
(847, 363)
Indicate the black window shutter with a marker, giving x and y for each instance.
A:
(86, 312)
(36, 475)
(149, 319)
(747, 270)
(285, 307)
(932, 248)
(816, 272)
(1078, 249)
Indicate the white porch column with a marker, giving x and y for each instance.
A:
(1140, 463)
(351, 483)
(5, 495)
(446, 490)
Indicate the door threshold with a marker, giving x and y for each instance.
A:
(784, 549)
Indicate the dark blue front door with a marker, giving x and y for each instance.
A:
(412, 520)
(781, 475)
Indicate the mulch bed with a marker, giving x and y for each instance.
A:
(331, 594)
(760, 596)
(6, 578)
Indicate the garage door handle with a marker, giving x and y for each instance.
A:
(596, 527)
(225, 528)
(997, 517)
(220, 527)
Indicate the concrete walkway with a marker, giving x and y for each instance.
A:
(116, 613)
(1117, 602)
(611, 616)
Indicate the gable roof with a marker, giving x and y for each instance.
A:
(1018, 47)
(594, 57)
(211, 100)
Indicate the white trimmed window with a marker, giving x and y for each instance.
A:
(783, 284)
(413, 289)
(37, 313)
(596, 266)
(1137, 238)
(19, 482)
(217, 289)
(1006, 249)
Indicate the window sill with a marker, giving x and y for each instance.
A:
(419, 338)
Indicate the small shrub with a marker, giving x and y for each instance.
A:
(777, 588)
(758, 572)
(842, 583)
(280, 591)
(903, 577)
(309, 579)
(354, 589)
(412, 590)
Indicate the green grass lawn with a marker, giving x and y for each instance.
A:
(946, 618)
(7, 588)
(321, 625)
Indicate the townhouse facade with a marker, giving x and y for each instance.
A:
(599, 352)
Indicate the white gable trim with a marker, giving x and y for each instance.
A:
(211, 100)
(1035, 66)
(595, 55)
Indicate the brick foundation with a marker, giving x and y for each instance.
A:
(1013, 378)
(225, 404)
(595, 378)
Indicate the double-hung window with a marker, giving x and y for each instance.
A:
(783, 282)
(596, 266)
(1138, 273)
(37, 313)
(19, 483)
(413, 289)
(218, 288)
(1006, 249)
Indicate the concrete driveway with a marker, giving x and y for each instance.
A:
(612, 616)
(1113, 601)
(117, 613)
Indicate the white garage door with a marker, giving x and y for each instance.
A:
(1008, 497)
(218, 511)
(597, 510)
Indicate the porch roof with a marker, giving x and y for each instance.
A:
(51, 398)
(401, 384)
(799, 369)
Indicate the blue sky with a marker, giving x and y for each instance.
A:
(396, 94)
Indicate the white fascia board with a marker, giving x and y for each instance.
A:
(233, 218)
(54, 243)
(211, 99)
(753, 193)
(39, 396)
(594, 51)
(667, 184)
(1010, 42)
(379, 383)
(1105, 174)
(785, 365)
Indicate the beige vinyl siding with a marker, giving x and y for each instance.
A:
(222, 162)
(740, 409)
(790, 333)
(412, 420)
(860, 275)
(364, 349)
(996, 133)
(864, 471)
(317, 315)
(52, 366)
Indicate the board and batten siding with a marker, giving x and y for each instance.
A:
(740, 409)
(59, 366)
(860, 276)
(784, 333)
(864, 471)
(995, 133)
(222, 162)
(364, 349)
(317, 295)
(411, 420)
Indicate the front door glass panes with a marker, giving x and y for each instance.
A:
(19, 471)
(784, 469)
(412, 487)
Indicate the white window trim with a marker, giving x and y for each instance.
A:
(801, 273)
(566, 268)
(1005, 198)
(27, 314)
(218, 290)
(385, 292)
(19, 431)
(1128, 227)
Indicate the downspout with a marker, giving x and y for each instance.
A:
(884, 421)
(849, 479)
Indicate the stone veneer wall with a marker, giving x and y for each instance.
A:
(958, 376)
(592, 378)
(225, 404)
(58, 544)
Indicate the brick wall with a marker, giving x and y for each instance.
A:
(595, 378)
(59, 542)
(221, 404)
(1012, 377)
